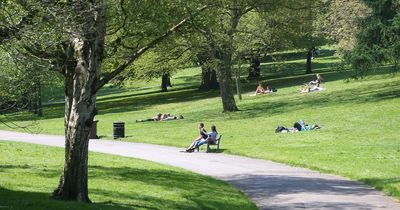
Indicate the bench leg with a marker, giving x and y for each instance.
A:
(208, 148)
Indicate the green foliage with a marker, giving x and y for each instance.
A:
(380, 37)
(28, 174)
(339, 22)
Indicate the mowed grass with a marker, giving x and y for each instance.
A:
(359, 138)
(29, 173)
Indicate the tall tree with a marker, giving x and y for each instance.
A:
(378, 42)
(76, 45)
(339, 22)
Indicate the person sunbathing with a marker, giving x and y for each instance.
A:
(155, 118)
(318, 81)
(306, 88)
(169, 117)
(297, 127)
(260, 90)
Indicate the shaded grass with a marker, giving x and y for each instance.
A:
(28, 173)
(359, 136)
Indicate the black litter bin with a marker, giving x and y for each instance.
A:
(119, 130)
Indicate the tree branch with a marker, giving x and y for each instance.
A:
(7, 33)
(144, 49)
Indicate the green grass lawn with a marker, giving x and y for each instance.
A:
(29, 173)
(359, 138)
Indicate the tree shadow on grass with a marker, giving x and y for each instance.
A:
(194, 188)
(191, 191)
(11, 199)
(140, 101)
(259, 108)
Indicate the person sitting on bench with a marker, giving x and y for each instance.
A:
(203, 135)
(212, 137)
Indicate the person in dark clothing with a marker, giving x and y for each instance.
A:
(203, 135)
(155, 118)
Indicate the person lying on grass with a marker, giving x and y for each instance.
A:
(161, 117)
(155, 118)
(203, 135)
(166, 117)
(297, 127)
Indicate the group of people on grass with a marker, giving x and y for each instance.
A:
(312, 86)
(203, 138)
(210, 137)
(261, 90)
(161, 117)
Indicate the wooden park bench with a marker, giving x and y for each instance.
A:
(214, 143)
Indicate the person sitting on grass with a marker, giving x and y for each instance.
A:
(268, 89)
(203, 135)
(318, 81)
(260, 90)
(306, 88)
(156, 118)
(212, 137)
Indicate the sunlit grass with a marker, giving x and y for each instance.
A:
(359, 119)
(29, 173)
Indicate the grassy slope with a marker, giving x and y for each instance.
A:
(359, 138)
(28, 173)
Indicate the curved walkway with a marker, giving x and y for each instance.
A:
(270, 185)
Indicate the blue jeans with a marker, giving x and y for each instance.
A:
(201, 142)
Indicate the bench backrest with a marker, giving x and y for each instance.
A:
(218, 139)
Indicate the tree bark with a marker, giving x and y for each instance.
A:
(208, 79)
(80, 100)
(254, 69)
(225, 56)
(238, 84)
(165, 82)
(225, 82)
(309, 62)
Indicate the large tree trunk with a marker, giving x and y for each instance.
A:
(309, 62)
(165, 82)
(80, 100)
(208, 79)
(254, 69)
(225, 82)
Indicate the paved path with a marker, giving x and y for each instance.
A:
(270, 185)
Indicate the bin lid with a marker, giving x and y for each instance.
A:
(119, 122)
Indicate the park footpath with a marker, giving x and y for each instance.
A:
(268, 184)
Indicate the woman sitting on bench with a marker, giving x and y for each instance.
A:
(212, 137)
(203, 135)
